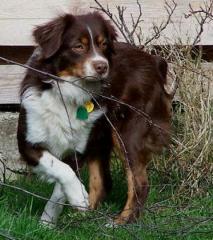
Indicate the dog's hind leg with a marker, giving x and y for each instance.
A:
(135, 163)
(138, 189)
(53, 208)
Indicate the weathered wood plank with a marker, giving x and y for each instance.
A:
(10, 78)
(17, 18)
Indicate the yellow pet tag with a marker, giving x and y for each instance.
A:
(89, 106)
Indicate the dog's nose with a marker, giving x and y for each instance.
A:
(100, 67)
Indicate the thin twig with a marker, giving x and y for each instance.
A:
(6, 236)
(159, 29)
(37, 195)
(135, 33)
(202, 16)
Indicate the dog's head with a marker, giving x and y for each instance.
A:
(79, 46)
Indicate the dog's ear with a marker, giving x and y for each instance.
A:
(49, 36)
(112, 35)
(111, 30)
(162, 67)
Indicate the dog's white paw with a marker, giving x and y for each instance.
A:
(111, 224)
(77, 194)
(82, 199)
(47, 224)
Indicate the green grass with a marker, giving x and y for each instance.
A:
(167, 215)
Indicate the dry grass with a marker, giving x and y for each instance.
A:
(190, 158)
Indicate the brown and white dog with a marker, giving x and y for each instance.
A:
(55, 142)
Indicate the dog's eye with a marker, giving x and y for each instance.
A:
(103, 45)
(78, 48)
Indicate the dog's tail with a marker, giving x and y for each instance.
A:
(162, 66)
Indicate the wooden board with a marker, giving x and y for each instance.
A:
(18, 18)
(11, 77)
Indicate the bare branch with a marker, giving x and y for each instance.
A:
(134, 35)
(112, 17)
(3, 169)
(170, 8)
(120, 22)
(138, 20)
(202, 16)
(34, 194)
(6, 236)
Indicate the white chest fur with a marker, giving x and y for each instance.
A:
(48, 123)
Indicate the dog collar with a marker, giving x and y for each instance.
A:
(83, 111)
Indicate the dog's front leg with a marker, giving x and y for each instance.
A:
(97, 182)
(52, 168)
(53, 209)
(98, 158)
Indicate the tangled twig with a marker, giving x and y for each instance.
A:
(202, 16)
(134, 32)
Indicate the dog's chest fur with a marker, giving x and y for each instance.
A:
(48, 123)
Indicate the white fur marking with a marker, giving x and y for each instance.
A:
(74, 190)
(89, 69)
(48, 123)
(52, 210)
(92, 40)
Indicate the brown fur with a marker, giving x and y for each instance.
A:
(96, 185)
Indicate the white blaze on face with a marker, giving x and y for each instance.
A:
(89, 69)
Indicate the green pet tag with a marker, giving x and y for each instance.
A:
(82, 113)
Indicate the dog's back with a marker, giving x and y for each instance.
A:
(138, 80)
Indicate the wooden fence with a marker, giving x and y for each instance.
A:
(19, 17)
